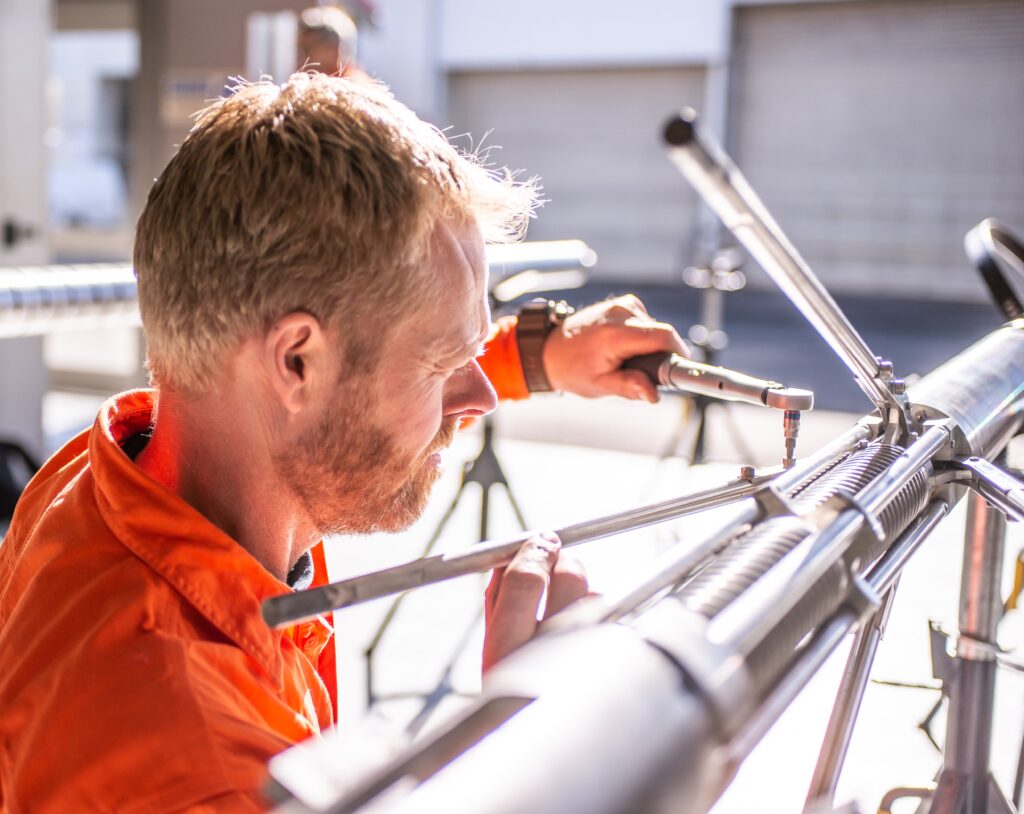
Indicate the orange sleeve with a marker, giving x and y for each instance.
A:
(500, 361)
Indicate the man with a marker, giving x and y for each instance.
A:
(328, 40)
(313, 288)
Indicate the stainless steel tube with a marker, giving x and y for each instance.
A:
(886, 571)
(810, 659)
(727, 192)
(971, 698)
(673, 566)
(848, 699)
(748, 621)
(981, 389)
(484, 556)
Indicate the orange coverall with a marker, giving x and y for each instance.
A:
(136, 673)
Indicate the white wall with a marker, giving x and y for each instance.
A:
(421, 40)
(581, 33)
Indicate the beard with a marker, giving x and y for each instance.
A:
(351, 476)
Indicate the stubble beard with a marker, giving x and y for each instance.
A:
(351, 477)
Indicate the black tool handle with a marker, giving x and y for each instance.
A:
(649, 363)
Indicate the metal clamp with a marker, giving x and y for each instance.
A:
(718, 672)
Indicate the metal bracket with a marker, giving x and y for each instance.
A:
(774, 503)
(944, 666)
(863, 599)
(839, 502)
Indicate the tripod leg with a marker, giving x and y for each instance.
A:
(485, 501)
(444, 685)
(1018, 780)
(701, 405)
(515, 508)
(371, 648)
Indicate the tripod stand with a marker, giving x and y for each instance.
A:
(517, 270)
(485, 469)
(721, 277)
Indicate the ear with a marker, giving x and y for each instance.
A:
(296, 355)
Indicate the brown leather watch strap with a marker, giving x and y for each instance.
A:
(537, 319)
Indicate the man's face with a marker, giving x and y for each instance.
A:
(370, 462)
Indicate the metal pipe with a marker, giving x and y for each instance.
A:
(673, 566)
(837, 738)
(748, 621)
(886, 571)
(987, 412)
(971, 698)
(726, 191)
(484, 556)
(809, 661)
(823, 642)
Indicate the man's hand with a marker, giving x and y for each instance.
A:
(514, 593)
(586, 356)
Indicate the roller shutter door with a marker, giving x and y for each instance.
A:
(594, 139)
(879, 132)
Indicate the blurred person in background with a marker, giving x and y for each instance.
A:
(313, 288)
(328, 42)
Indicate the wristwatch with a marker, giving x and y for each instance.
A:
(537, 319)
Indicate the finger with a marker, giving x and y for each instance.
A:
(629, 384)
(568, 583)
(633, 304)
(513, 620)
(639, 336)
(491, 594)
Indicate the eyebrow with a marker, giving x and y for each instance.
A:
(473, 348)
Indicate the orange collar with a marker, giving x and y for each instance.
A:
(211, 570)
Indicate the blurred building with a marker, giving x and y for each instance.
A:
(876, 131)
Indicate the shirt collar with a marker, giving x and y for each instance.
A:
(211, 570)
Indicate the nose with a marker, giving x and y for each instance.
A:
(469, 393)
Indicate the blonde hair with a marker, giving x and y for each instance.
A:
(318, 195)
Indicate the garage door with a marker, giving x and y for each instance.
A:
(594, 139)
(879, 132)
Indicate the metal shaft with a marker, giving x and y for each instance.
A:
(847, 705)
(727, 192)
(294, 607)
(969, 727)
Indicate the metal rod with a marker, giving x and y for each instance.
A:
(673, 566)
(971, 698)
(891, 564)
(811, 657)
(827, 638)
(289, 608)
(848, 699)
(791, 478)
(727, 192)
(679, 562)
